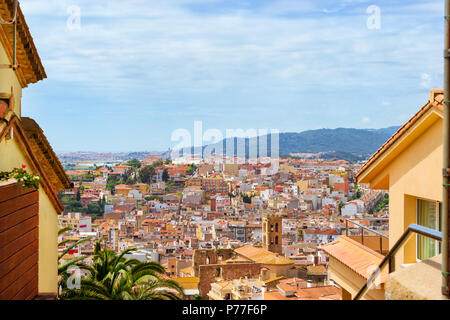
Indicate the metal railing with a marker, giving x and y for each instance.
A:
(380, 234)
(389, 258)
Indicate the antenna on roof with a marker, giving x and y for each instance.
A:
(14, 22)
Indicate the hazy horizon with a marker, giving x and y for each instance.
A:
(162, 151)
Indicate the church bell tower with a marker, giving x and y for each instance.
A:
(272, 232)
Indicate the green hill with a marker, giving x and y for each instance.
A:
(341, 143)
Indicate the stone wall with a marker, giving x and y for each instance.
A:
(209, 256)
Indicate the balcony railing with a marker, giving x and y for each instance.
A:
(367, 240)
(389, 258)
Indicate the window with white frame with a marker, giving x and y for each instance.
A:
(428, 215)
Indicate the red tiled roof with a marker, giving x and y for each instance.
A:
(361, 259)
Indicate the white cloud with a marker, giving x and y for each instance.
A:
(164, 44)
(169, 57)
(425, 81)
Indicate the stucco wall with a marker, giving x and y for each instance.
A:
(415, 173)
(208, 273)
(8, 79)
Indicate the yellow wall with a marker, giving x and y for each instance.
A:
(123, 191)
(142, 188)
(8, 79)
(414, 173)
(231, 169)
(287, 168)
(11, 157)
(342, 174)
(48, 245)
(302, 185)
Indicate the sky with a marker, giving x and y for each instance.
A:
(132, 72)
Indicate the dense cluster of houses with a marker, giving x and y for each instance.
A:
(224, 207)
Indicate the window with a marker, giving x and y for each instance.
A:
(428, 215)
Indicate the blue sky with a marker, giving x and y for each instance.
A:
(137, 70)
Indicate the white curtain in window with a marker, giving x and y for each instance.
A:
(426, 216)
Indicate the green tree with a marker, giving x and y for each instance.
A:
(190, 169)
(383, 203)
(130, 181)
(158, 163)
(94, 208)
(165, 175)
(341, 204)
(114, 277)
(111, 182)
(63, 264)
(74, 205)
(149, 198)
(126, 175)
(146, 174)
(135, 163)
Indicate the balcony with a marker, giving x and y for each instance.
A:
(419, 281)
(351, 265)
(355, 256)
(376, 240)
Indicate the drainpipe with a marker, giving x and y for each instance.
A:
(446, 158)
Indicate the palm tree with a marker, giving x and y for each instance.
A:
(63, 265)
(114, 277)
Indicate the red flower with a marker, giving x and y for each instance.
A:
(24, 166)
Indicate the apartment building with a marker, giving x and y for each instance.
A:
(214, 185)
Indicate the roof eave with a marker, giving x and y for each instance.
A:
(435, 103)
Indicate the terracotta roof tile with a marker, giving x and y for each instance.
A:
(261, 255)
(354, 255)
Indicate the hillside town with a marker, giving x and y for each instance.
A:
(224, 231)
(330, 214)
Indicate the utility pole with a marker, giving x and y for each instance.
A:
(446, 159)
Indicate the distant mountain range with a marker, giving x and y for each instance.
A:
(341, 143)
(356, 141)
